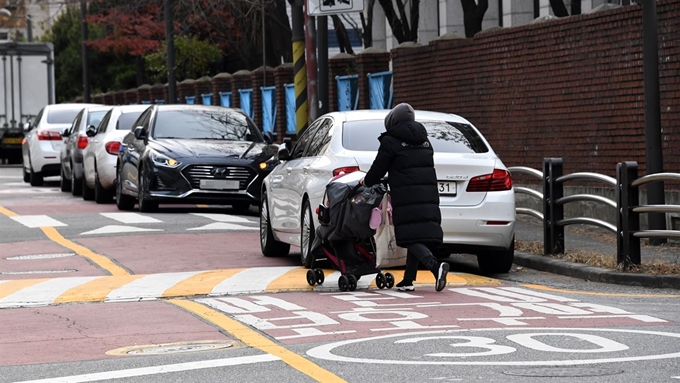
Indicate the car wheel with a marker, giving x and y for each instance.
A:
(145, 205)
(123, 202)
(497, 262)
(101, 195)
(35, 178)
(306, 235)
(88, 194)
(241, 207)
(76, 183)
(64, 184)
(270, 247)
(27, 177)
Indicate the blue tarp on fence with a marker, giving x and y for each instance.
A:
(348, 92)
(246, 97)
(207, 98)
(380, 90)
(291, 120)
(160, 102)
(225, 99)
(191, 100)
(268, 109)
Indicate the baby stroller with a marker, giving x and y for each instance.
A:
(344, 237)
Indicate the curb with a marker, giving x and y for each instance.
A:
(595, 274)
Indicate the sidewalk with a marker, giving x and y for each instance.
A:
(596, 240)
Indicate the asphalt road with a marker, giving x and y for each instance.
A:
(90, 294)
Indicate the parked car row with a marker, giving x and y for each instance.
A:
(150, 154)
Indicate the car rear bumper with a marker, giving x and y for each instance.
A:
(488, 226)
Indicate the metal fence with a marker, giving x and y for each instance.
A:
(626, 204)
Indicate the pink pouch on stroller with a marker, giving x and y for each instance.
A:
(376, 214)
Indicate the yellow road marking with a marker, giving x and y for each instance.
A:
(202, 206)
(546, 288)
(95, 290)
(199, 284)
(98, 259)
(10, 287)
(254, 339)
(7, 212)
(293, 279)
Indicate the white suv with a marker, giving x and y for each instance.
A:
(42, 144)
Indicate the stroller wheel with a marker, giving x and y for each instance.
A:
(352, 282)
(343, 283)
(389, 280)
(311, 277)
(319, 276)
(380, 281)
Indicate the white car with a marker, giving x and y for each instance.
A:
(477, 200)
(42, 144)
(100, 155)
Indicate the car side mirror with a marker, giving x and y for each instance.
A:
(139, 133)
(284, 154)
(268, 137)
(91, 131)
(287, 142)
(65, 133)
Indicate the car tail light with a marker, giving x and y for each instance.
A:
(345, 170)
(82, 142)
(112, 147)
(48, 135)
(499, 180)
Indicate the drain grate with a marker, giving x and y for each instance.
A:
(563, 372)
(171, 348)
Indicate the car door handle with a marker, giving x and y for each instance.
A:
(288, 170)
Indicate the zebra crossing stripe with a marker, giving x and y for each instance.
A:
(200, 284)
(95, 290)
(46, 291)
(11, 287)
(148, 287)
(250, 280)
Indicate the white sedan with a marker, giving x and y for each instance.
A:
(101, 153)
(477, 200)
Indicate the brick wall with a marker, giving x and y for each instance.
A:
(570, 88)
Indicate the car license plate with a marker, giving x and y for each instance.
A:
(12, 141)
(446, 188)
(219, 184)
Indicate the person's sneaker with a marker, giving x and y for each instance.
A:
(441, 276)
(405, 286)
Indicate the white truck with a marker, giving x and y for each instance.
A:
(27, 85)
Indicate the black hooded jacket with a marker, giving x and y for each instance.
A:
(407, 155)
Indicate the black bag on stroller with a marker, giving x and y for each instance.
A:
(344, 237)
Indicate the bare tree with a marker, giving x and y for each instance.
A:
(367, 24)
(560, 10)
(399, 21)
(473, 15)
(342, 36)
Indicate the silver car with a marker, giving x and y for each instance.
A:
(477, 200)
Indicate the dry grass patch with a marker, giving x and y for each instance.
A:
(607, 261)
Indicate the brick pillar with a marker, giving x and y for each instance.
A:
(119, 97)
(185, 88)
(108, 98)
(144, 93)
(283, 74)
(202, 86)
(341, 64)
(98, 98)
(220, 83)
(370, 60)
(240, 80)
(257, 78)
(131, 96)
(157, 92)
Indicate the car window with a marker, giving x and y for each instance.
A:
(101, 128)
(126, 120)
(304, 139)
(94, 118)
(320, 139)
(37, 119)
(205, 124)
(446, 137)
(75, 123)
(142, 121)
(62, 116)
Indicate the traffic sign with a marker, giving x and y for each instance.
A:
(330, 7)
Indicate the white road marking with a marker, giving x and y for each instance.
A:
(163, 369)
(11, 178)
(224, 226)
(130, 218)
(30, 191)
(223, 218)
(148, 287)
(34, 221)
(115, 229)
(250, 280)
(44, 292)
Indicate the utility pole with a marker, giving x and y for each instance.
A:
(83, 36)
(170, 54)
(653, 139)
(310, 43)
(299, 66)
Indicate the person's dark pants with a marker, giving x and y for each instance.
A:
(419, 253)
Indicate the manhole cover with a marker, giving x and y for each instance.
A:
(170, 348)
(562, 372)
(37, 272)
(39, 256)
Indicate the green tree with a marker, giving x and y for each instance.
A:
(193, 59)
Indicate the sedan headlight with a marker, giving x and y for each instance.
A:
(269, 164)
(162, 160)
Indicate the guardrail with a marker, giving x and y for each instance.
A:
(627, 205)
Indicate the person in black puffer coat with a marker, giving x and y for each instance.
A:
(406, 154)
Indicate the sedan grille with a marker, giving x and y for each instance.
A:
(196, 173)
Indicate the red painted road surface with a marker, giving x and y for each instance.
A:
(82, 267)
